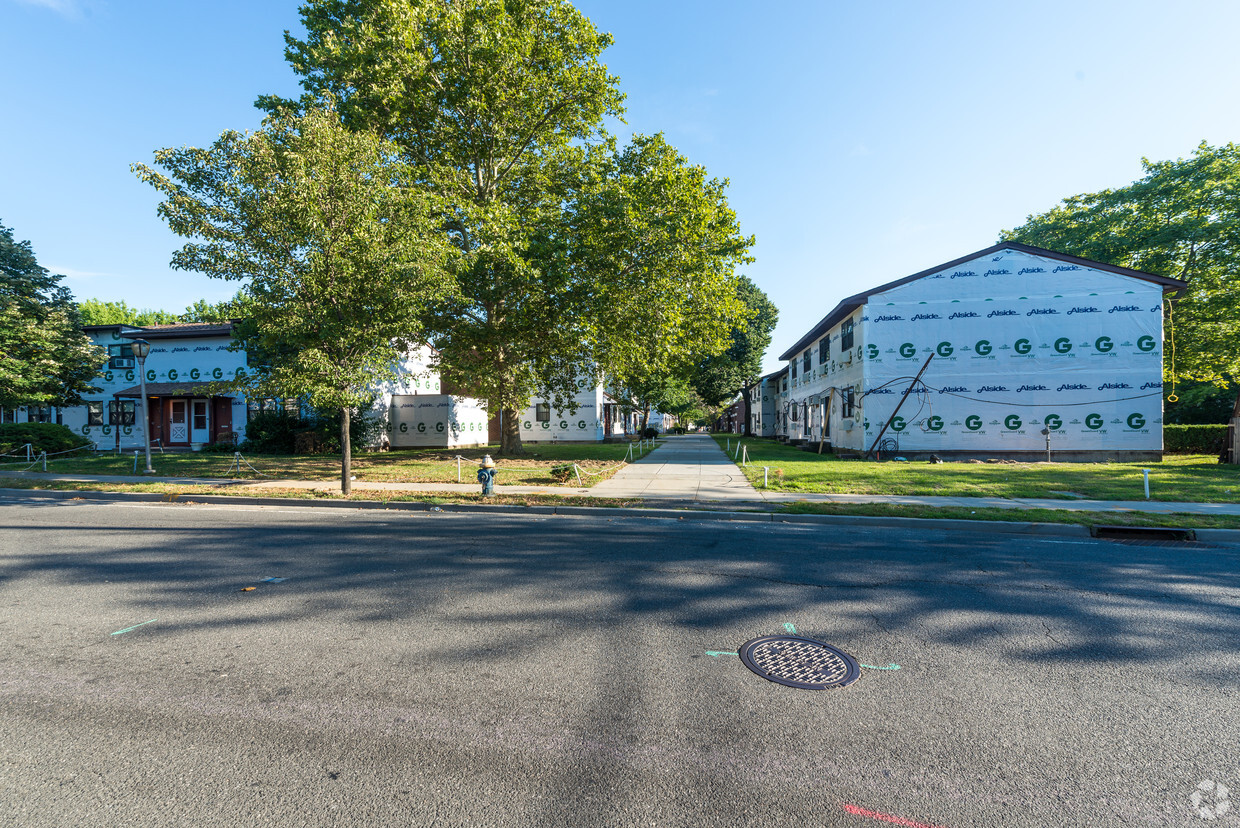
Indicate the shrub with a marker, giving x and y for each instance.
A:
(47, 437)
(563, 472)
(649, 433)
(279, 432)
(1194, 439)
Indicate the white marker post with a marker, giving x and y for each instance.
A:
(1146, 472)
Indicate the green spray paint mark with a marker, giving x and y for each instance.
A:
(135, 626)
(790, 628)
(717, 653)
(888, 667)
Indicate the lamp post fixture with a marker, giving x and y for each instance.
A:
(141, 348)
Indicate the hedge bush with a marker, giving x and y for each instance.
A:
(47, 437)
(278, 432)
(1194, 439)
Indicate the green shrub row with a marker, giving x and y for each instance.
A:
(1194, 439)
(47, 437)
(279, 432)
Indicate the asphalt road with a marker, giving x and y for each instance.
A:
(454, 669)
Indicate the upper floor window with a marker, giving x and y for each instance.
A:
(824, 349)
(120, 356)
(805, 361)
(542, 412)
(846, 336)
(94, 413)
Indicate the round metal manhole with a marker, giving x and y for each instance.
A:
(795, 661)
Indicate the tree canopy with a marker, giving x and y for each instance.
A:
(45, 359)
(1181, 219)
(334, 245)
(572, 256)
(99, 312)
(717, 379)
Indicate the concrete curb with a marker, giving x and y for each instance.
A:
(1018, 528)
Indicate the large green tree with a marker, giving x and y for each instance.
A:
(1181, 219)
(335, 246)
(45, 359)
(573, 257)
(100, 312)
(718, 379)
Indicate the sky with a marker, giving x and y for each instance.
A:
(862, 142)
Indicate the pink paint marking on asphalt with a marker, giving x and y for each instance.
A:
(881, 817)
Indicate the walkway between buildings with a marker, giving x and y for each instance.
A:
(690, 467)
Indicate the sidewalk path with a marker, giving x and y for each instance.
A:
(690, 467)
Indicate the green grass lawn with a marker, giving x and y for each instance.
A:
(1178, 478)
(596, 460)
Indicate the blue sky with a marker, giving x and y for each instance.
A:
(863, 142)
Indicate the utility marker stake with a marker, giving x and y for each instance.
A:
(578, 473)
(1147, 485)
(765, 470)
(1146, 472)
(135, 461)
(458, 468)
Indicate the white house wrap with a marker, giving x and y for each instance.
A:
(1021, 340)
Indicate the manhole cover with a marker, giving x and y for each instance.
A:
(799, 662)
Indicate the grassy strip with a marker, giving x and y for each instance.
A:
(1179, 478)
(598, 461)
(182, 493)
(1175, 520)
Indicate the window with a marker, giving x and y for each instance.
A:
(10, 415)
(542, 413)
(846, 336)
(120, 356)
(847, 404)
(200, 415)
(94, 413)
(794, 369)
(121, 412)
(43, 414)
(794, 412)
(824, 349)
(805, 362)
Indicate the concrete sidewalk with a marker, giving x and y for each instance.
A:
(684, 468)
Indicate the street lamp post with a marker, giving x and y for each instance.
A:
(141, 348)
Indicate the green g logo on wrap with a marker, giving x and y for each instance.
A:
(1012, 422)
(1103, 344)
(898, 424)
(1136, 421)
(1053, 422)
(908, 350)
(421, 428)
(944, 349)
(439, 427)
(1094, 421)
(1146, 343)
(871, 351)
(194, 373)
(934, 423)
(404, 428)
(581, 424)
(173, 375)
(1063, 345)
(1022, 346)
(217, 373)
(150, 375)
(563, 425)
(972, 422)
(983, 347)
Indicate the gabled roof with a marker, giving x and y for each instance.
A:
(179, 330)
(170, 389)
(847, 306)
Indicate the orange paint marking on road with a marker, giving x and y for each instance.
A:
(881, 817)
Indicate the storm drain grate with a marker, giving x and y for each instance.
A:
(799, 662)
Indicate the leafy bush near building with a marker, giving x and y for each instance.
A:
(279, 432)
(563, 472)
(47, 437)
(1194, 439)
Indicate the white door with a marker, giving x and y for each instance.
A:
(178, 431)
(200, 431)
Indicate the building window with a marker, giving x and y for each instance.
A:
(824, 349)
(200, 415)
(44, 414)
(94, 413)
(121, 412)
(805, 361)
(10, 415)
(846, 336)
(542, 413)
(120, 356)
(847, 401)
(794, 412)
(794, 369)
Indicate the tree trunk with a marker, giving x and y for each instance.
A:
(346, 453)
(645, 417)
(510, 433)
